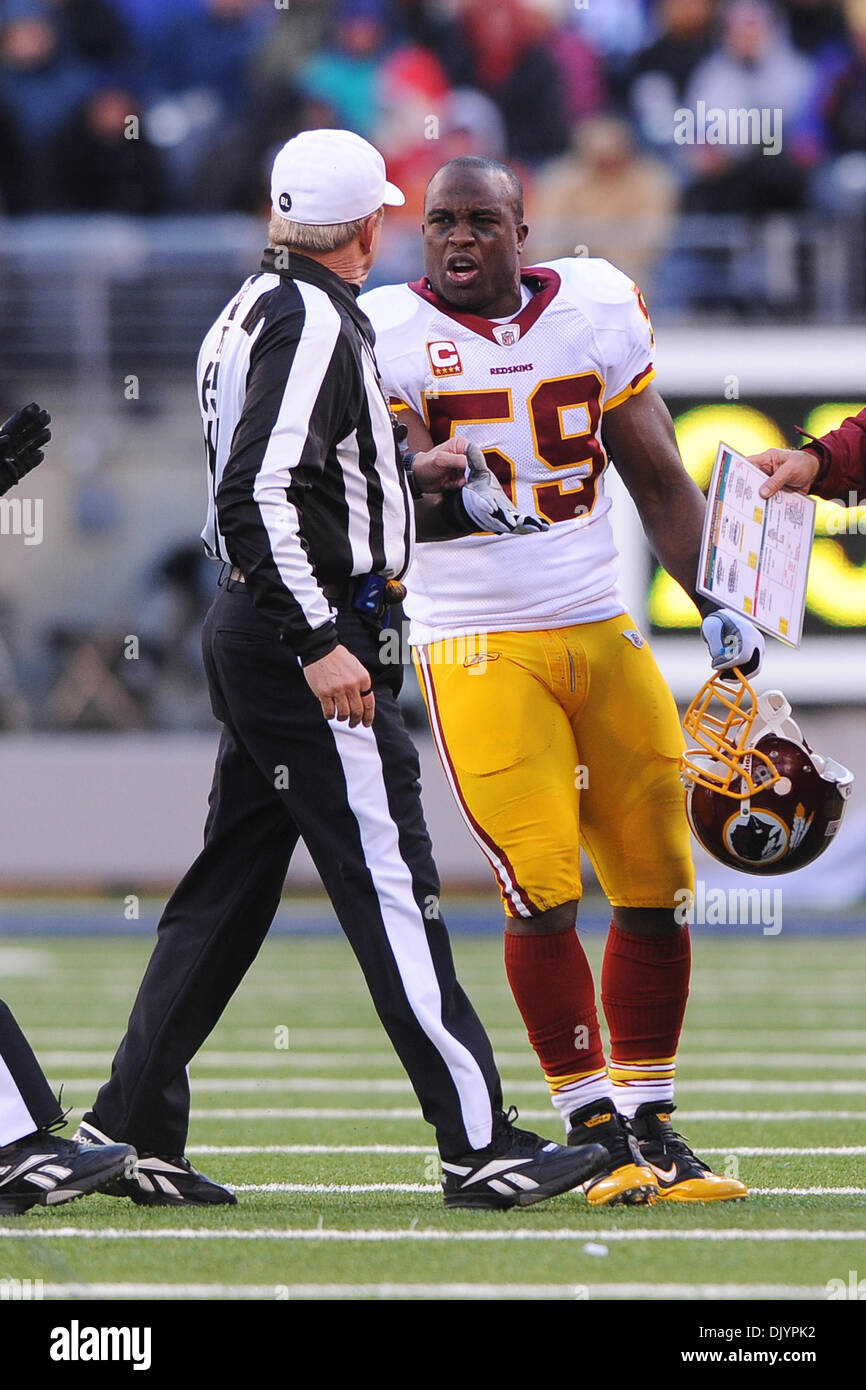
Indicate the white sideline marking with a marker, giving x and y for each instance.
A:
(843, 1151)
(311, 1149)
(733, 1085)
(268, 1058)
(319, 1040)
(332, 1085)
(376, 1236)
(314, 1149)
(339, 1189)
(324, 1113)
(715, 1292)
(806, 1191)
(312, 1112)
(722, 1086)
(353, 1189)
(689, 1116)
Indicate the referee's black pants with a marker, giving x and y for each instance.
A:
(27, 1102)
(283, 772)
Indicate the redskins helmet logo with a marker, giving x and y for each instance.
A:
(759, 837)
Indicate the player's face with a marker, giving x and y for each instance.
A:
(472, 242)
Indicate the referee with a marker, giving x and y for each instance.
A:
(310, 508)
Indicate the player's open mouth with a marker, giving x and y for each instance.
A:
(461, 270)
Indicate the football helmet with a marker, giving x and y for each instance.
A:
(757, 797)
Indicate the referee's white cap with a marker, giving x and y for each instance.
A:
(322, 177)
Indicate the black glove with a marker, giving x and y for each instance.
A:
(21, 440)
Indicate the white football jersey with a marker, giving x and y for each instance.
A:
(531, 392)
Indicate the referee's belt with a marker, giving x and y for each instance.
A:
(366, 593)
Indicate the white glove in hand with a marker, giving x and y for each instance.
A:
(486, 503)
(733, 641)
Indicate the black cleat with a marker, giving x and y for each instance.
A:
(626, 1180)
(516, 1169)
(45, 1170)
(160, 1180)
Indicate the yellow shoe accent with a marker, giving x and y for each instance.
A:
(709, 1188)
(629, 1186)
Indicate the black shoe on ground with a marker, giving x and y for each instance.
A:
(161, 1180)
(45, 1170)
(517, 1168)
(680, 1174)
(626, 1181)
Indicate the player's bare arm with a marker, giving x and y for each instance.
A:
(640, 437)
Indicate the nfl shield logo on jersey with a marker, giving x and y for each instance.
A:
(506, 334)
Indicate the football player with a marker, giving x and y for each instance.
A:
(553, 723)
(37, 1165)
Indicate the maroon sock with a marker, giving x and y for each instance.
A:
(644, 988)
(553, 988)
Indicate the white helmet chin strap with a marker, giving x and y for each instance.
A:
(831, 771)
(774, 717)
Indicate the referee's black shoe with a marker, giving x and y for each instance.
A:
(517, 1168)
(161, 1180)
(45, 1170)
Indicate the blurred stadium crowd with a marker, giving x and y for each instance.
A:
(580, 96)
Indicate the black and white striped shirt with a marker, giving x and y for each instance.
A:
(305, 484)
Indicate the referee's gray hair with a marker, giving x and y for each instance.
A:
(298, 236)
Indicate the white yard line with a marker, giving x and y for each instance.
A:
(428, 1234)
(420, 1188)
(269, 1057)
(688, 1086)
(408, 1291)
(289, 1150)
(311, 1148)
(248, 1113)
(224, 1085)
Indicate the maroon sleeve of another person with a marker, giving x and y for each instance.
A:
(842, 456)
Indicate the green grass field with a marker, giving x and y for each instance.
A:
(336, 1177)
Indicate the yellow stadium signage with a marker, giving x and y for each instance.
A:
(837, 586)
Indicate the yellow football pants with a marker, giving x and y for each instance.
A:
(560, 738)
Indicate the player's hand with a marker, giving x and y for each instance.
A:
(442, 468)
(793, 469)
(733, 641)
(488, 506)
(21, 439)
(343, 687)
